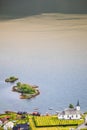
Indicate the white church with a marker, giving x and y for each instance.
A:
(70, 113)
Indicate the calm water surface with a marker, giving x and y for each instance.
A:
(49, 51)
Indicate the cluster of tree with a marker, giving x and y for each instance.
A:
(25, 88)
(71, 106)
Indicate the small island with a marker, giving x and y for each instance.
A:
(27, 91)
(11, 79)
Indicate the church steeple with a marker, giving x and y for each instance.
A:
(78, 103)
(78, 106)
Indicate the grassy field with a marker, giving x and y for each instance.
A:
(33, 127)
(50, 121)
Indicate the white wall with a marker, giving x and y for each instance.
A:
(69, 117)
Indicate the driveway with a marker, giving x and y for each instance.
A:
(81, 126)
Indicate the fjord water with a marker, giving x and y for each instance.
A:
(48, 50)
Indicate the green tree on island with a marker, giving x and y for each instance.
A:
(19, 84)
(25, 88)
(71, 106)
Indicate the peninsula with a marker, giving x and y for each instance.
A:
(27, 91)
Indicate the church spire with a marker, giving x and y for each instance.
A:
(78, 106)
(78, 103)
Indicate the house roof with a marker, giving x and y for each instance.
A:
(22, 126)
(70, 111)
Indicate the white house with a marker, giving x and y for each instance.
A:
(8, 125)
(70, 113)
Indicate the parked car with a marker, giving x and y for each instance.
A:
(36, 113)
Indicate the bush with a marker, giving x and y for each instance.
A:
(25, 88)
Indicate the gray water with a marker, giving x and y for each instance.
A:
(50, 51)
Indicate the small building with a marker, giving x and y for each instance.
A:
(8, 125)
(70, 113)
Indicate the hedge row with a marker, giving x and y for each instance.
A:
(83, 129)
(48, 121)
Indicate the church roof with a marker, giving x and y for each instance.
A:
(70, 111)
